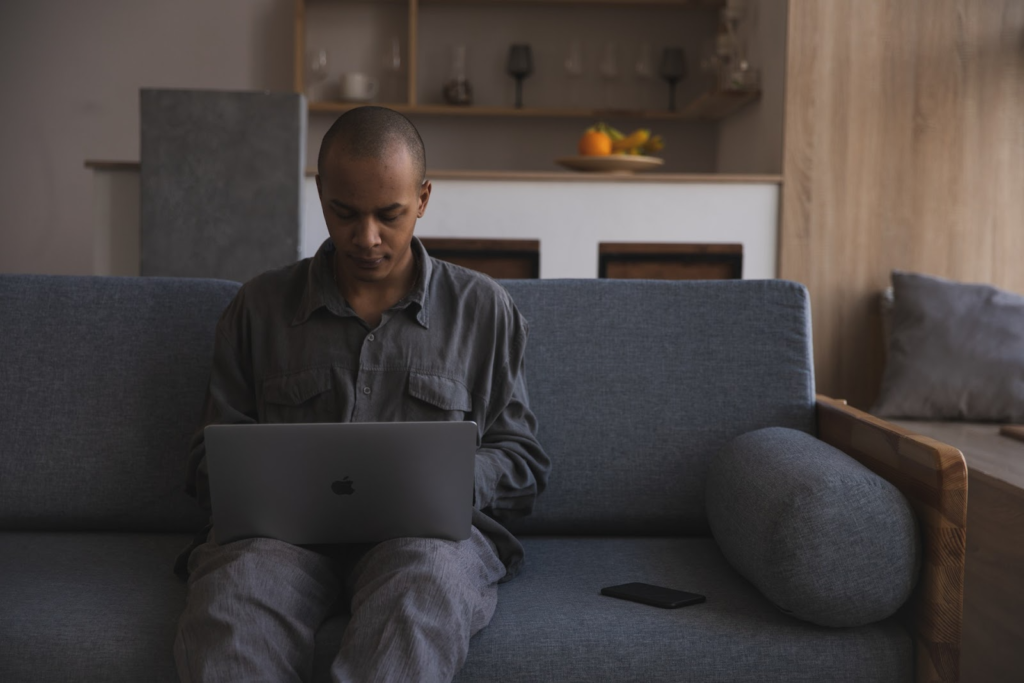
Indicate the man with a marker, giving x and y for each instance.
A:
(371, 329)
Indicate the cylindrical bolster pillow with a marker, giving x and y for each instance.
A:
(823, 537)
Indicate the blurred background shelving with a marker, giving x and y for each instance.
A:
(491, 134)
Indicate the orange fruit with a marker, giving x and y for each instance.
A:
(595, 144)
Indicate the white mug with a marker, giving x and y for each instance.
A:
(358, 87)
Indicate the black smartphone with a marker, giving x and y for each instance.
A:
(653, 595)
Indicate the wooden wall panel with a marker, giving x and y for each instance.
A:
(904, 148)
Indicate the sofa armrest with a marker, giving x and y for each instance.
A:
(933, 477)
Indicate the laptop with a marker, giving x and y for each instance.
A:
(341, 482)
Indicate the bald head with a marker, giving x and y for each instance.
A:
(371, 133)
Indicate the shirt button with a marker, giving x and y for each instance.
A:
(369, 337)
(366, 390)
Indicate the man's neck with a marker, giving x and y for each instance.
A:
(370, 299)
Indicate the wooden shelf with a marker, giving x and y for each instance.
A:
(576, 177)
(694, 4)
(712, 106)
(528, 176)
(691, 4)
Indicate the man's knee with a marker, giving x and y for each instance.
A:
(258, 566)
(425, 574)
(409, 560)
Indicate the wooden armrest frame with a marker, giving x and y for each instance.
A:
(933, 477)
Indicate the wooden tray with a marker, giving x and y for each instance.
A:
(613, 163)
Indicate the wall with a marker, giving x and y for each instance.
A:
(70, 72)
(751, 140)
(904, 132)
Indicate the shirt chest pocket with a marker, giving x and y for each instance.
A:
(436, 398)
(304, 396)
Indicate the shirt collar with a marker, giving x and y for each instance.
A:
(320, 290)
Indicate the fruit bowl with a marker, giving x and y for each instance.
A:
(611, 163)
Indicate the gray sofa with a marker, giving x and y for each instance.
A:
(638, 387)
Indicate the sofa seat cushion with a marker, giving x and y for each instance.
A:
(552, 624)
(105, 607)
(89, 606)
(822, 536)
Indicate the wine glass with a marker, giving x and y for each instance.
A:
(673, 70)
(520, 65)
(710, 62)
(609, 69)
(316, 74)
(316, 61)
(574, 59)
(574, 68)
(393, 66)
(644, 69)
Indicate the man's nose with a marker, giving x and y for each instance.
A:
(367, 234)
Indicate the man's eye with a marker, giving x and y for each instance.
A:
(389, 219)
(344, 216)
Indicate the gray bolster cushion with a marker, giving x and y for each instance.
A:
(823, 537)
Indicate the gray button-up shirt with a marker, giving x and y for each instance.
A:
(290, 349)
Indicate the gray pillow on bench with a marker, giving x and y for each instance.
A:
(956, 352)
(823, 537)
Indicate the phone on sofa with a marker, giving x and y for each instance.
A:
(653, 595)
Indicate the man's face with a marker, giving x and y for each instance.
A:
(371, 207)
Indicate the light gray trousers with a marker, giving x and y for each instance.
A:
(254, 606)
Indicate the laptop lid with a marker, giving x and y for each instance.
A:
(341, 482)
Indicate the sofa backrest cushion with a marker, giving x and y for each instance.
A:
(102, 382)
(637, 384)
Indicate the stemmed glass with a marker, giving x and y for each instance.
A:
(574, 68)
(393, 67)
(520, 65)
(316, 73)
(644, 69)
(609, 69)
(673, 70)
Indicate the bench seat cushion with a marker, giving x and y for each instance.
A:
(553, 625)
(89, 606)
(105, 607)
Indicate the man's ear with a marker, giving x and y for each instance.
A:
(319, 189)
(425, 189)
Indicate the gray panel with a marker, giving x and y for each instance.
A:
(221, 182)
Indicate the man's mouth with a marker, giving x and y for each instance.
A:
(368, 263)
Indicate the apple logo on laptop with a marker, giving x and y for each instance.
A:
(343, 487)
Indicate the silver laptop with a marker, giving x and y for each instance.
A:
(341, 482)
